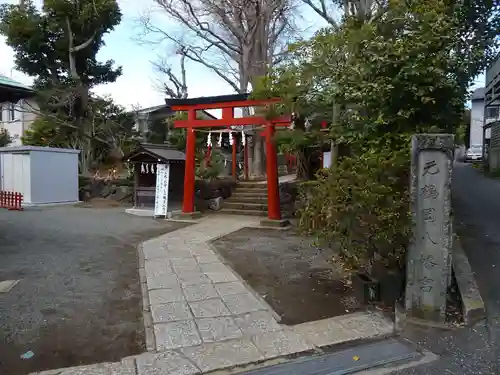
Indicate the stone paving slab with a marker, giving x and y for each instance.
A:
(204, 317)
(171, 312)
(213, 356)
(209, 308)
(7, 285)
(199, 292)
(165, 363)
(178, 334)
(229, 288)
(281, 343)
(257, 322)
(218, 329)
(162, 296)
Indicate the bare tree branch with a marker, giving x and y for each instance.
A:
(322, 10)
(243, 34)
(365, 10)
(175, 87)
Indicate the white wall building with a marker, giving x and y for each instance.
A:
(17, 108)
(492, 113)
(16, 118)
(477, 117)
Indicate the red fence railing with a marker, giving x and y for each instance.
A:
(291, 161)
(11, 200)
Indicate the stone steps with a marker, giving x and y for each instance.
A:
(247, 195)
(252, 184)
(245, 205)
(249, 198)
(252, 190)
(234, 211)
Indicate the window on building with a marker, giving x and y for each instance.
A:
(492, 112)
(1, 112)
(12, 112)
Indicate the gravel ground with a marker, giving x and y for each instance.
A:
(79, 299)
(475, 350)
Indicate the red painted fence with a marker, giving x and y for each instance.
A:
(11, 200)
(291, 161)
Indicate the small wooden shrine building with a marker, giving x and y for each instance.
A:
(145, 159)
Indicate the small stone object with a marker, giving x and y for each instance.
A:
(28, 355)
(215, 204)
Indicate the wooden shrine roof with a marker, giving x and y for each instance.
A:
(163, 152)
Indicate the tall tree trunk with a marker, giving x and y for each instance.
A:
(258, 156)
(303, 164)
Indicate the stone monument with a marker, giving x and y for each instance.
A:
(429, 255)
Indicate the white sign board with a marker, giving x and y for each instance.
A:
(161, 194)
(327, 159)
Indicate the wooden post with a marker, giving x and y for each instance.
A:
(233, 167)
(333, 154)
(137, 171)
(188, 201)
(245, 159)
(208, 156)
(273, 193)
(334, 147)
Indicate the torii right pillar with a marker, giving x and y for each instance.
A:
(273, 194)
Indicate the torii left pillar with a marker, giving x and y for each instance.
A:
(189, 171)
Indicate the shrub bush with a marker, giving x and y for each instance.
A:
(5, 138)
(362, 206)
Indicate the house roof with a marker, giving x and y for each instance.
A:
(166, 107)
(13, 91)
(478, 94)
(6, 81)
(152, 109)
(163, 152)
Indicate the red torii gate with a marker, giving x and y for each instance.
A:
(228, 103)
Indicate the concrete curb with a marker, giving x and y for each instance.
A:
(146, 310)
(472, 302)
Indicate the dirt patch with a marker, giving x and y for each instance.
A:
(454, 311)
(296, 278)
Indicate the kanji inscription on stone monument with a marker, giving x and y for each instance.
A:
(429, 253)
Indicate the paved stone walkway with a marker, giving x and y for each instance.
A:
(200, 316)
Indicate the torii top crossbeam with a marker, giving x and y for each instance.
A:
(227, 103)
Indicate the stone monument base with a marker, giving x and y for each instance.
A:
(402, 320)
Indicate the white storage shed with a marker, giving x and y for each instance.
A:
(44, 175)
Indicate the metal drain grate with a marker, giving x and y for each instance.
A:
(342, 362)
